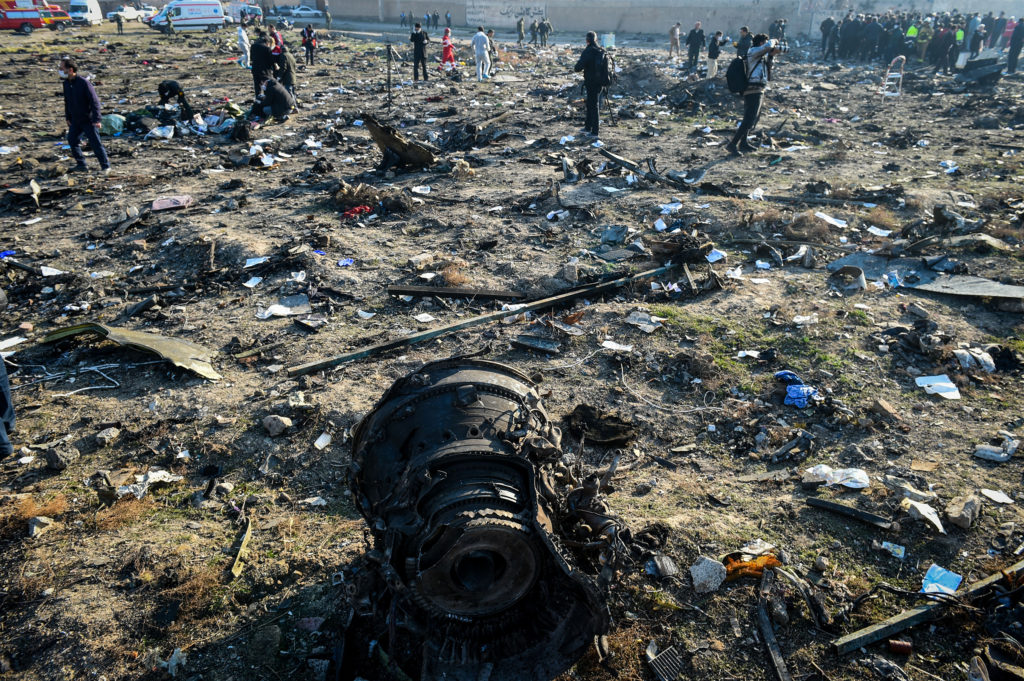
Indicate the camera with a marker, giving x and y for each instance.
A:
(782, 47)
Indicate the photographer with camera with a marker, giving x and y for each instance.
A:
(758, 66)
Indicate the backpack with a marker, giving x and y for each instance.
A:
(605, 69)
(736, 76)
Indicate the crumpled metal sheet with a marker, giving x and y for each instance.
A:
(875, 267)
(181, 353)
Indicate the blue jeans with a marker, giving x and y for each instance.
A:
(6, 413)
(75, 132)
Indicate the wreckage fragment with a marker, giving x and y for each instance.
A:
(499, 573)
(181, 353)
(398, 150)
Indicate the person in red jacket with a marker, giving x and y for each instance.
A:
(447, 51)
(278, 40)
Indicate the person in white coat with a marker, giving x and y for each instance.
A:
(481, 53)
(243, 47)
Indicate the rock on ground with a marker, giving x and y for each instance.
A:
(707, 574)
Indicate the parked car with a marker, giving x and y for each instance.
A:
(55, 18)
(127, 12)
(303, 12)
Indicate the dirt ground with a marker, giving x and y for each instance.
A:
(111, 591)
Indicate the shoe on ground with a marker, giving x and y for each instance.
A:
(747, 147)
(105, 172)
(733, 151)
(79, 169)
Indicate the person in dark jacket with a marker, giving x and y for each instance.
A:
(871, 34)
(309, 42)
(743, 44)
(832, 42)
(714, 52)
(274, 101)
(826, 30)
(977, 40)
(694, 42)
(1016, 41)
(590, 63)
(758, 66)
(419, 40)
(286, 69)
(6, 405)
(82, 113)
(262, 61)
(171, 89)
(997, 30)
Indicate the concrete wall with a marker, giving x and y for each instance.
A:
(647, 16)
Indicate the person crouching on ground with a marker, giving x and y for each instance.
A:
(590, 64)
(274, 100)
(758, 66)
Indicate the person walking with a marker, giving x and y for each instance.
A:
(261, 61)
(309, 42)
(120, 23)
(545, 30)
(419, 40)
(82, 114)
(758, 67)
(481, 53)
(534, 32)
(694, 42)
(401, 19)
(327, 18)
(243, 48)
(447, 51)
(437, 19)
(674, 34)
(447, 18)
(590, 64)
(520, 30)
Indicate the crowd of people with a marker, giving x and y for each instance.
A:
(936, 38)
(430, 20)
(485, 53)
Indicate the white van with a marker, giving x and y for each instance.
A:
(189, 15)
(85, 12)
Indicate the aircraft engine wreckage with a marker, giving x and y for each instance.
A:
(490, 558)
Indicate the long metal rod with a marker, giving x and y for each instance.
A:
(592, 289)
